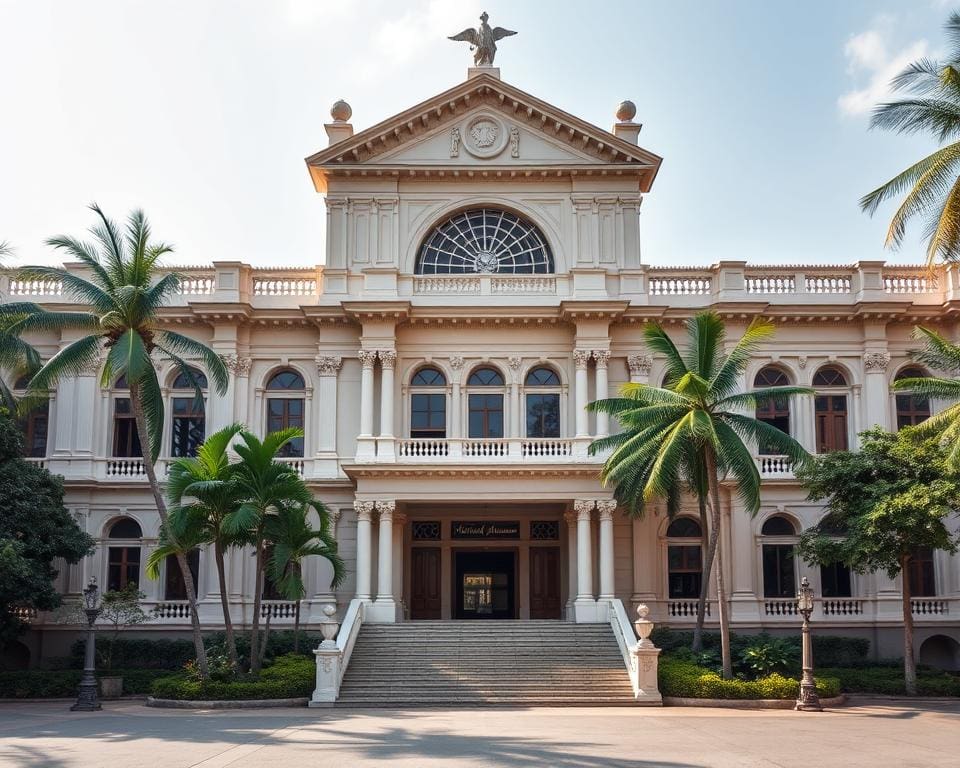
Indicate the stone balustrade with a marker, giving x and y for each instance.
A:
(544, 449)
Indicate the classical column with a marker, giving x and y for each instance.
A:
(454, 417)
(365, 440)
(388, 360)
(240, 368)
(583, 508)
(571, 519)
(328, 366)
(876, 403)
(364, 514)
(514, 363)
(640, 366)
(580, 359)
(384, 603)
(322, 591)
(601, 357)
(605, 509)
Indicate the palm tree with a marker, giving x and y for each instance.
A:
(201, 495)
(931, 104)
(265, 486)
(125, 292)
(940, 354)
(691, 425)
(292, 539)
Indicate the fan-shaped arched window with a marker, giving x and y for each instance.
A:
(123, 559)
(684, 563)
(912, 409)
(779, 572)
(428, 404)
(33, 424)
(485, 403)
(485, 240)
(543, 402)
(286, 406)
(188, 423)
(776, 411)
(830, 409)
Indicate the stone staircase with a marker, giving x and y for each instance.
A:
(449, 663)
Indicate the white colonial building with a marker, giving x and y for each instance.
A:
(483, 282)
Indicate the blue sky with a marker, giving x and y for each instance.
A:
(202, 112)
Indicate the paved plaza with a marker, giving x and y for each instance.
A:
(128, 734)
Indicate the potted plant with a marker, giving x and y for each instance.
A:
(120, 609)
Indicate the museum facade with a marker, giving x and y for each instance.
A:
(482, 283)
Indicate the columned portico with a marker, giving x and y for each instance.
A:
(384, 608)
(585, 606)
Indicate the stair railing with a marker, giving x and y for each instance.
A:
(334, 657)
(639, 658)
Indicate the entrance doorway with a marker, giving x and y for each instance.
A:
(425, 583)
(485, 585)
(545, 583)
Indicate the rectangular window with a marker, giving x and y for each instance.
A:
(486, 416)
(428, 415)
(34, 428)
(835, 580)
(189, 426)
(126, 441)
(543, 415)
(174, 587)
(831, 420)
(684, 571)
(778, 575)
(921, 574)
(283, 413)
(123, 567)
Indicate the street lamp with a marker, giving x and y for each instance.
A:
(87, 700)
(807, 701)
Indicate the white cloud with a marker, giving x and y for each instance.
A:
(872, 58)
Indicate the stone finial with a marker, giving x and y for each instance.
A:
(340, 129)
(329, 626)
(626, 111)
(341, 112)
(644, 626)
(625, 128)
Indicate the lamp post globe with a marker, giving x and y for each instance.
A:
(807, 701)
(87, 700)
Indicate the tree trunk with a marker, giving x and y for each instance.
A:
(142, 432)
(266, 636)
(225, 605)
(717, 553)
(257, 598)
(705, 567)
(909, 664)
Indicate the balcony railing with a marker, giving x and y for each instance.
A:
(685, 609)
(546, 449)
(929, 607)
(774, 467)
(485, 285)
(173, 611)
(278, 610)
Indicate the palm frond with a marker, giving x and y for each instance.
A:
(69, 362)
(184, 345)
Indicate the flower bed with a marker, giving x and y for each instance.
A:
(684, 679)
(289, 677)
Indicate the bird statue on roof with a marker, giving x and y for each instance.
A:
(483, 41)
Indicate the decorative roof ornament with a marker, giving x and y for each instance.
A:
(483, 41)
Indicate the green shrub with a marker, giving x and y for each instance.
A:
(289, 677)
(50, 684)
(889, 681)
(139, 653)
(685, 679)
(765, 658)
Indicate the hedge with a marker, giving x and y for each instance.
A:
(889, 681)
(288, 677)
(684, 679)
(56, 684)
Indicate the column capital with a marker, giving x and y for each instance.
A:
(328, 365)
(583, 508)
(364, 509)
(238, 366)
(335, 515)
(606, 508)
(515, 363)
(601, 357)
(580, 358)
(386, 509)
(571, 517)
(456, 362)
(640, 364)
(388, 357)
(368, 357)
(876, 361)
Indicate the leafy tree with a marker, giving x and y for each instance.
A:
(35, 530)
(125, 293)
(202, 494)
(293, 539)
(120, 608)
(930, 105)
(694, 423)
(884, 503)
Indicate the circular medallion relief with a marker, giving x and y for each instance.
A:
(484, 135)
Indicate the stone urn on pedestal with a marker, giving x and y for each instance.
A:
(645, 659)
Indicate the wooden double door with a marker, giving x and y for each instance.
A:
(472, 596)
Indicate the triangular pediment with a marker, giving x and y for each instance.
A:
(483, 122)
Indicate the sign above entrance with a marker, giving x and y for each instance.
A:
(484, 530)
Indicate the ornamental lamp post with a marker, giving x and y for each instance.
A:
(87, 700)
(807, 701)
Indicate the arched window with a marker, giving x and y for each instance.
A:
(921, 573)
(543, 402)
(33, 424)
(188, 423)
(485, 240)
(123, 553)
(776, 411)
(485, 403)
(286, 405)
(174, 587)
(428, 404)
(830, 409)
(911, 409)
(779, 574)
(684, 559)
